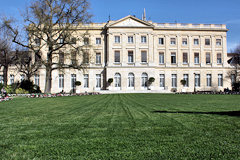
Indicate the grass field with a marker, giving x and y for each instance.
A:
(121, 126)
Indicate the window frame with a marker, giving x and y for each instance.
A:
(117, 59)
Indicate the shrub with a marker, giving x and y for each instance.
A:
(151, 79)
(110, 80)
(21, 91)
(183, 82)
(9, 89)
(236, 86)
(78, 83)
(29, 86)
(174, 90)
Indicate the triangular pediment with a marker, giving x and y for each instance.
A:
(130, 21)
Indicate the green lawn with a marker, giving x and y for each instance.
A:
(123, 126)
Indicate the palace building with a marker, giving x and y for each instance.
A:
(131, 51)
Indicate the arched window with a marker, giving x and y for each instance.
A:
(144, 79)
(131, 80)
(117, 79)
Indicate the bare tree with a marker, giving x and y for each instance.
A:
(25, 63)
(50, 26)
(234, 74)
(7, 57)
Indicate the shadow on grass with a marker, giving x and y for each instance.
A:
(228, 113)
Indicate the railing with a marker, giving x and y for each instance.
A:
(188, 25)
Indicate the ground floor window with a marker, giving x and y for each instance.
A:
(233, 78)
(61, 81)
(11, 79)
(144, 79)
(98, 80)
(174, 80)
(22, 77)
(197, 80)
(220, 80)
(131, 80)
(36, 79)
(185, 77)
(1, 79)
(73, 80)
(209, 80)
(86, 80)
(117, 79)
(162, 80)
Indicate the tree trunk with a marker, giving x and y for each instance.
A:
(48, 80)
(5, 75)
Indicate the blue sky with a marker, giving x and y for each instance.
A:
(161, 11)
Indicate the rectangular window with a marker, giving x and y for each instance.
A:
(173, 41)
(130, 56)
(117, 39)
(1, 79)
(219, 58)
(117, 57)
(85, 58)
(98, 80)
(196, 41)
(161, 58)
(173, 58)
(86, 41)
(144, 56)
(174, 80)
(208, 58)
(85, 80)
(209, 80)
(220, 80)
(37, 42)
(197, 80)
(143, 39)
(161, 41)
(185, 58)
(98, 58)
(61, 81)
(207, 42)
(218, 42)
(61, 40)
(73, 58)
(22, 77)
(73, 40)
(130, 39)
(61, 57)
(196, 58)
(36, 79)
(73, 80)
(233, 79)
(185, 77)
(11, 79)
(184, 41)
(98, 41)
(162, 80)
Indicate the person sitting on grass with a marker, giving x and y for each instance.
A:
(4, 92)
